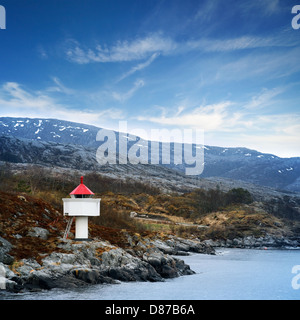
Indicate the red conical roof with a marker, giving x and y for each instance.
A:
(81, 189)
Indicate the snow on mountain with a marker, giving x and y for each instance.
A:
(65, 143)
(49, 130)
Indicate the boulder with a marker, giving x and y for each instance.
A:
(183, 268)
(88, 275)
(120, 265)
(177, 246)
(40, 279)
(38, 233)
(7, 278)
(166, 247)
(165, 265)
(26, 266)
(5, 247)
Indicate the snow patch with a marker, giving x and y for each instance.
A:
(55, 135)
(39, 124)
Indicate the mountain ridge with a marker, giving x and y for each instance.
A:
(241, 164)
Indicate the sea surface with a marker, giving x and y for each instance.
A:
(232, 274)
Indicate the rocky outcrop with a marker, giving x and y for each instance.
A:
(93, 262)
(180, 246)
(252, 242)
(34, 256)
(38, 233)
(5, 247)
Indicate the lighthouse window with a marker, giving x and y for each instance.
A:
(82, 196)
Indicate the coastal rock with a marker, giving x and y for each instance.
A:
(142, 272)
(165, 265)
(87, 275)
(167, 248)
(5, 247)
(25, 266)
(9, 285)
(39, 279)
(121, 265)
(38, 233)
(7, 278)
(93, 276)
(64, 260)
(91, 262)
(183, 268)
(251, 242)
(179, 246)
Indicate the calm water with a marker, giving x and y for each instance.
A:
(231, 274)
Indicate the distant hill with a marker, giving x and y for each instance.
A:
(54, 142)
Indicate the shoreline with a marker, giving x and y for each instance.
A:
(251, 242)
(86, 263)
(94, 262)
(200, 263)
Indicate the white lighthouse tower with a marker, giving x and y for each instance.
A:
(81, 206)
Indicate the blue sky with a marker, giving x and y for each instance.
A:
(230, 68)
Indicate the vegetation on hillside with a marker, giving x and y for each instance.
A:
(201, 213)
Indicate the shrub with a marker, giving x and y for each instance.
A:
(238, 195)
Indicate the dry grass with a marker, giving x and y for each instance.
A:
(240, 222)
(210, 208)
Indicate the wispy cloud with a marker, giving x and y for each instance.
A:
(151, 46)
(12, 95)
(60, 87)
(263, 7)
(264, 98)
(283, 39)
(207, 117)
(42, 52)
(16, 101)
(271, 65)
(121, 51)
(237, 121)
(277, 134)
(207, 11)
(121, 97)
(139, 67)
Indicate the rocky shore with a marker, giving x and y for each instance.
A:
(34, 256)
(251, 242)
(92, 262)
(81, 263)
